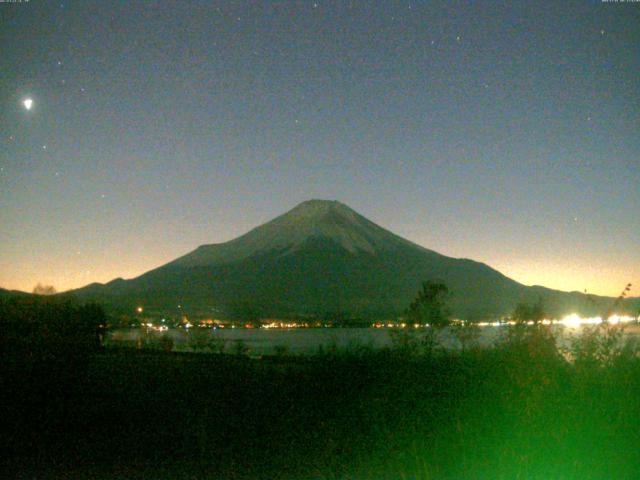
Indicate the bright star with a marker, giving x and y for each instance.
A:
(28, 103)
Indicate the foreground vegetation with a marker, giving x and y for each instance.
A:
(524, 409)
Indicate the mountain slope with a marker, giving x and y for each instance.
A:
(311, 219)
(321, 258)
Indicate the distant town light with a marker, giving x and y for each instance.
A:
(572, 320)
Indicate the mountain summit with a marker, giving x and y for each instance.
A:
(321, 259)
(311, 220)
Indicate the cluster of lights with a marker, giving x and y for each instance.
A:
(157, 328)
(575, 320)
(283, 325)
(492, 324)
(401, 325)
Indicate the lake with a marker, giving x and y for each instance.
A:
(307, 341)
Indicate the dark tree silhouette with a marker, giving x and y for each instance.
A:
(529, 313)
(41, 289)
(45, 328)
(430, 305)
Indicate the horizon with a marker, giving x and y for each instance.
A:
(501, 134)
(297, 206)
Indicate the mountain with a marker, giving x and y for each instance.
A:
(323, 259)
(12, 293)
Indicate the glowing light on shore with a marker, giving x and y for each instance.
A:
(572, 320)
(575, 320)
(616, 319)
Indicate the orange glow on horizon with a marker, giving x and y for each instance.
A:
(592, 279)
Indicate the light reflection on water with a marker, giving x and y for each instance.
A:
(307, 341)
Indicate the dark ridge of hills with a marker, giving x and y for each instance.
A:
(13, 293)
(322, 259)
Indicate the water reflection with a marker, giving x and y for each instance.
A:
(308, 341)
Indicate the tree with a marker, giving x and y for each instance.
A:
(530, 338)
(524, 312)
(429, 307)
(46, 328)
(40, 289)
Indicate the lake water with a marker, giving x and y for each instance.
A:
(306, 341)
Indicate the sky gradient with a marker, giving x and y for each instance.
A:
(508, 133)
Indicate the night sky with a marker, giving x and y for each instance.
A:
(505, 132)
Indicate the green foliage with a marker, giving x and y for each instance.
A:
(217, 344)
(504, 413)
(166, 343)
(429, 312)
(602, 345)
(281, 350)
(199, 338)
(240, 348)
(411, 341)
(467, 334)
(529, 340)
(599, 346)
(429, 307)
(524, 312)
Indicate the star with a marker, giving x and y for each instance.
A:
(28, 103)
(44, 147)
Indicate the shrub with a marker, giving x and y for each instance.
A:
(599, 346)
(240, 348)
(40, 328)
(199, 338)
